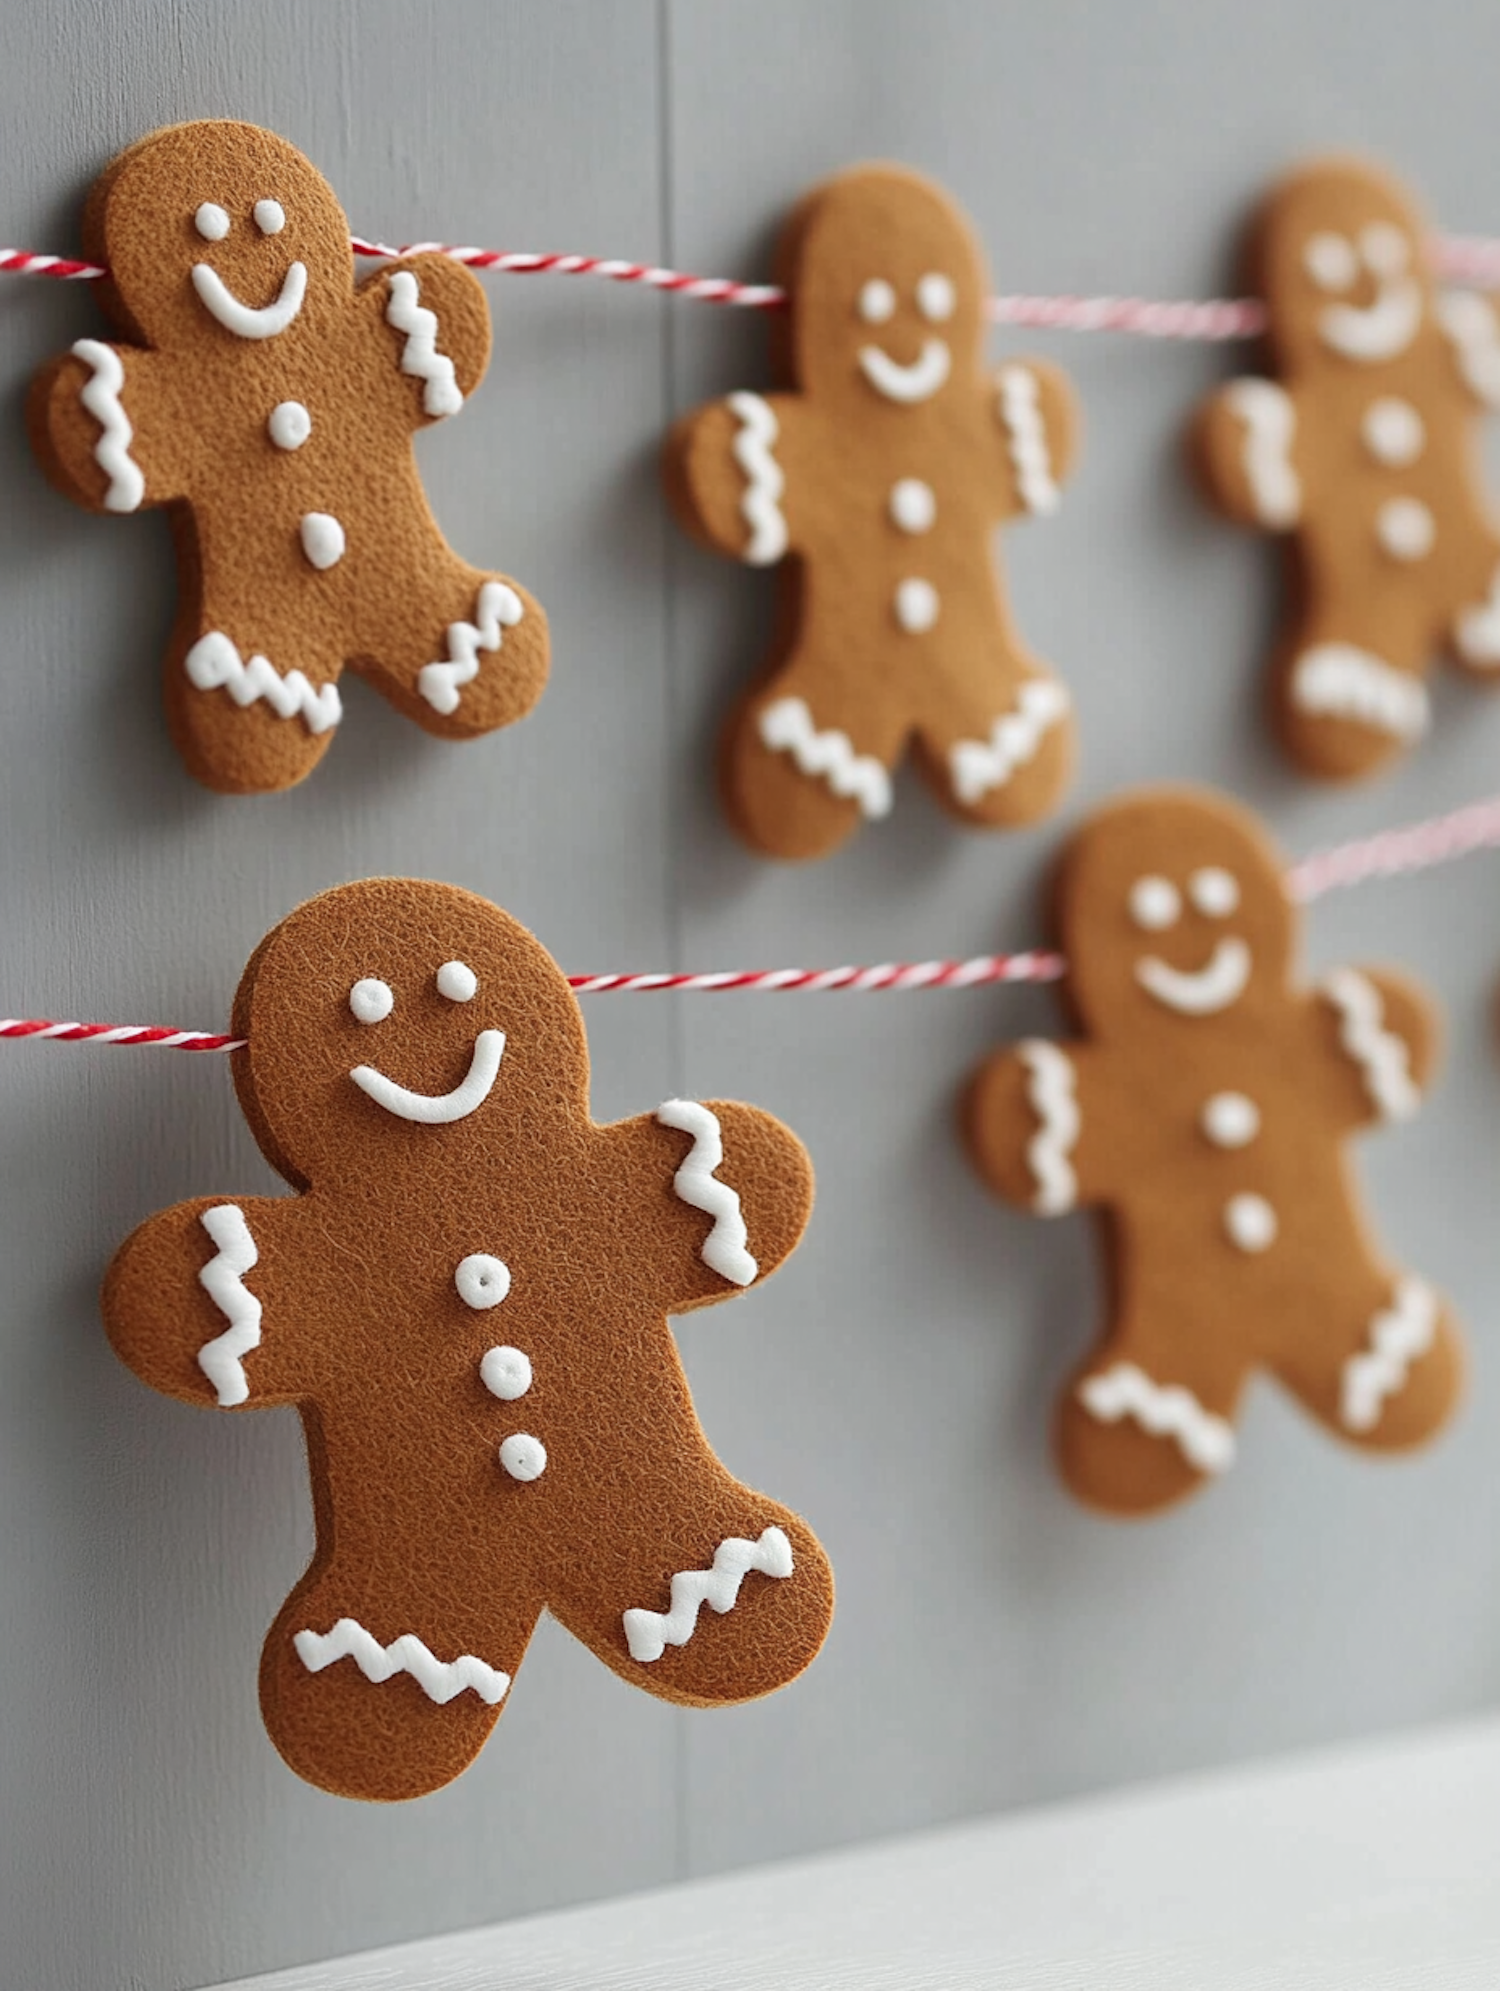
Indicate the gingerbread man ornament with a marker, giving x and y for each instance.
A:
(1205, 1108)
(467, 1301)
(877, 483)
(270, 405)
(1362, 455)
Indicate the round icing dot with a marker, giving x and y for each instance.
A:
(1405, 528)
(1214, 891)
(912, 504)
(1250, 1222)
(1155, 903)
(936, 297)
(1230, 1119)
(877, 301)
(482, 1281)
(916, 605)
(270, 216)
(1330, 261)
(289, 425)
(505, 1373)
(457, 981)
(523, 1456)
(322, 540)
(1385, 248)
(211, 222)
(1392, 430)
(372, 1001)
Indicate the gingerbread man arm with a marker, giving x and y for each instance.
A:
(1472, 329)
(189, 1303)
(1382, 1034)
(1245, 443)
(736, 474)
(432, 316)
(1038, 416)
(1027, 1122)
(103, 422)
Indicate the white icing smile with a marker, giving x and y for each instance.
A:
(1388, 324)
(244, 320)
(910, 384)
(1204, 991)
(443, 1108)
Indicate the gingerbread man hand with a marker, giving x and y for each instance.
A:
(1205, 1108)
(878, 481)
(467, 1300)
(271, 406)
(1362, 454)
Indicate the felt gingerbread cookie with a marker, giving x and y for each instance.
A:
(877, 481)
(1362, 454)
(1205, 1109)
(467, 1300)
(270, 405)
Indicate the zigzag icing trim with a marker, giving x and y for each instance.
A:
(1052, 1096)
(101, 397)
(215, 664)
(440, 1680)
(649, 1633)
(760, 506)
(1270, 422)
(1384, 1059)
(1474, 333)
(723, 1250)
(419, 355)
(1026, 433)
(1339, 681)
(787, 727)
(499, 608)
(1398, 1336)
(977, 766)
(223, 1279)
(1166, 1410)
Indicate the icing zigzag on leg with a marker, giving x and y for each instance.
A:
(1166, 1410)
(214, 664)
(977, 766)
(1399, 1335)
(498, 609)
(787, 727)
(440, 1680)
(649, 1633)
(724, 1249)
(1339, 681)
(223, 1280)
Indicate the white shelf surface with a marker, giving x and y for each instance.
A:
(1368, 1869)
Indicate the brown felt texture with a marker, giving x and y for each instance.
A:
(419, 1528)
(1185, 1304)
(842, 446)
(1343, 585)
(198, 398)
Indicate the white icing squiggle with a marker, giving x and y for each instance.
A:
(245, 320)
(443, 1108)
(760, 507)
(723, 1250)
(1339, 681)
(649, 1633)
(1026, 433)
(223, 1279)
(1166, 1410)
(1218, 984)
(1399, 1335)
(419, 355)
(101, 397)
(787, 727)
(1052, 1096)
(499, 608)
(1383, 1058)
(1269, 418)
(1474, 333)
(215, 664)
(439, 1679)
(977, 766)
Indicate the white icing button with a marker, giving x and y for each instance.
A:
(482, 1281)
(916, 605)
(1405, 528)
(935, 297)
(270, 216)
(1155, 903)
(322, 540)
(523, 1456)
(211, 222)
(289, 425)
(457, 981)
(1230, 1120)
(1392, 431)
(505, 1373)
(912, 505)
(1214, 891)
(877, 301)
(1330, 261)
(371, 1001)
(1250, 1222)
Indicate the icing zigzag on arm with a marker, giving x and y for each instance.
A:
(1269, 419)
(224, 1282)
(101, 397)
(724, 1249)
(765, 481)
(649, 1633)
(440, 1680)
(1383, 1058)
(499, 608)
(1026, 433)
(420, 357)
(787, 727)
(1053, 1097)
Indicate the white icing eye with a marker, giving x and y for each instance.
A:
(505, 1373)
(211, 222)
(1214, 891)
(371, 1001)
(270, 216)
(936, 297)
(877, 301)
(1155, 903)
(457, 981)
(523, 1456)
(1385, 248)
(482, 1281)
(1330, 261)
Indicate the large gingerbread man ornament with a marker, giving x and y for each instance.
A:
(1205, 1109)
(878, 482)
(467, 1301)
(1362, 454)
(270, 405)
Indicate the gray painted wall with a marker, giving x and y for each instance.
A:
(994, 1645)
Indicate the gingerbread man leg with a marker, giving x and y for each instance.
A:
(1348, 691)
(1008, 762)
(248, 722)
